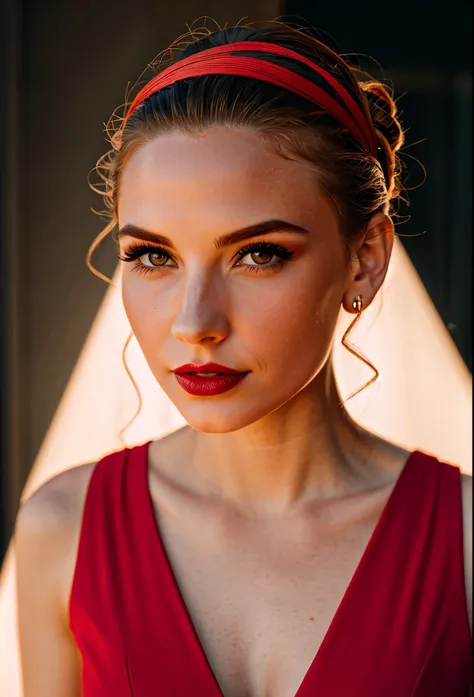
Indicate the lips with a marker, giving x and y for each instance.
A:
(209, 379)
(207, 368)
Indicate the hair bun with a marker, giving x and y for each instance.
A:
(383, 111)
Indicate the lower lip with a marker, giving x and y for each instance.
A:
(208, 387)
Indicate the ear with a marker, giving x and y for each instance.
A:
(370, 260)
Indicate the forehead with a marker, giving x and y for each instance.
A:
(223, 172)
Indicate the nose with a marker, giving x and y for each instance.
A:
(200, 317)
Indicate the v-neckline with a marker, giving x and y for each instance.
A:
(152, 522)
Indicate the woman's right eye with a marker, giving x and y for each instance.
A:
(157, 257)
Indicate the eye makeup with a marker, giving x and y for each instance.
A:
(277, 252)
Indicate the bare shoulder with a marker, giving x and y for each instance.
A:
(47, 529)
(466, 487)
(48, 526)
(56, 504)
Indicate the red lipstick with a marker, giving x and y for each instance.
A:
(209, 379)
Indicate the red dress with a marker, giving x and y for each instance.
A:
(401, 629)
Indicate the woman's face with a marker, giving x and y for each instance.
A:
(266, 305)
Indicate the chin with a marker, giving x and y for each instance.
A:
(214, 420)
(226, 417)
(211, 415)
(231, 412)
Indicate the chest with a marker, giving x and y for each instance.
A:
(261, 596)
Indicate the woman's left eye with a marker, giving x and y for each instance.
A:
(261, 254)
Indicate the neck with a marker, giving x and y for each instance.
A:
(309, 448)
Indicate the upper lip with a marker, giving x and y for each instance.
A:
(206, 368)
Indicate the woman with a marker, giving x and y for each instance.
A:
(273, 546)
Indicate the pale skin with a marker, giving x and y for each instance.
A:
(275, 456)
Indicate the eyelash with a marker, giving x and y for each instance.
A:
(137, 251)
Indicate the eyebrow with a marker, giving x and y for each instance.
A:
(256, 230)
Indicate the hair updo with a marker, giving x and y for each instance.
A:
(357, 184)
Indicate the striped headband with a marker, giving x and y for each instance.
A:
(221, 60)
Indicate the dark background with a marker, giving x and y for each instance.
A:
(65, 67)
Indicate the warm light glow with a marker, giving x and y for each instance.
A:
(422, 400)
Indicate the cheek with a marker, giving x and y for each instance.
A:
(145, 310)
(296, 318)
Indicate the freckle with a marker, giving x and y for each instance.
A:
(264, 655)
(259, 633)
(311, 619)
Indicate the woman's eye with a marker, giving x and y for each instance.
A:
(156, 258)
(147, 258)
(260, 257)
(264, 255)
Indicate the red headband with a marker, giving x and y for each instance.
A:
(220, 61)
